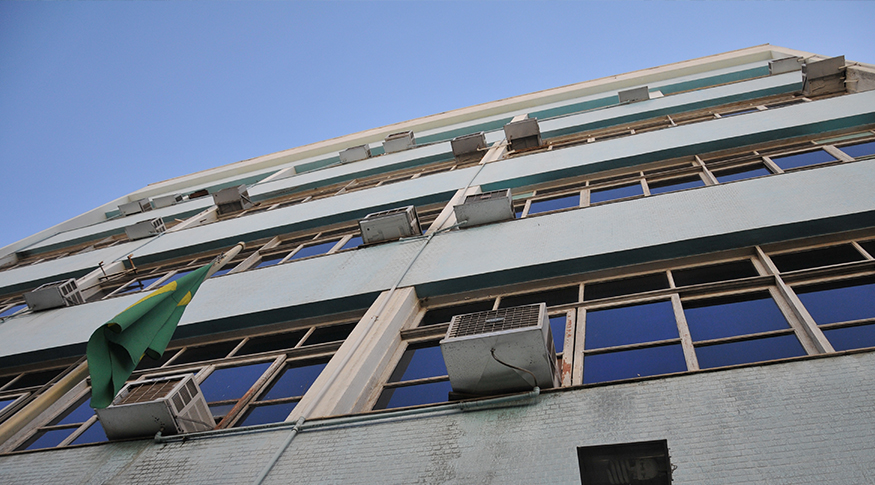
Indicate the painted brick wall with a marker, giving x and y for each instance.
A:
(810, 421)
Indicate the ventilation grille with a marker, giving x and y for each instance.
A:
(494, 321)
(150, 391)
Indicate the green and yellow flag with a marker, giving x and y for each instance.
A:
(144, 328)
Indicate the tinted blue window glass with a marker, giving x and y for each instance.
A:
(749, 351)
(648, 322)
(848, 338)
(47, 439)
(220, 410)
(803, 159)
(675, 184)
(840, 301)
(414, 395)
(94, 434)
(294, 381)
(565, 202)
(626, 364)
(557, 328)
(731, 316)
(12, 310)
(615, 193)
(6, 402)
(736, 113)
(271, 260)
(860, 149)
(78, 414)
(176, 276)
(354, 242)
(314, 250)
(740, 173)
(232, 382)
(418, 363)
(273, 413)
(224, 270)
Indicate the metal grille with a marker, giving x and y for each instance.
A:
(149, 391)
(495, 320)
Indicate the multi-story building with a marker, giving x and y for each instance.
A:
(701, 234)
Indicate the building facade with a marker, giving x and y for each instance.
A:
(701, 234)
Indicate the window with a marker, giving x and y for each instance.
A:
(615, 193)
(814, 258)
(844, 309)
(860, 150)
(741, 173)
(642, 463)
(675, 184)
(556, 203)
(419, 378)
(15, 308)
(75, 425)
(225, 386)
(277, 401)
(804, 159)
(445, 314)
(314, 250)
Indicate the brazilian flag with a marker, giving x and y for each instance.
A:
(144, 328)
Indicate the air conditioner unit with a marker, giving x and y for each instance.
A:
(147, 228)
(172, 405)
(520, 337)
(523, 134)
(232, 199)
(355, 154)
(135, 207)
(54, 295)
(485, 208)
(466, 147)
(390, 225)
(633, 95)
(398, 142)
(166, 201)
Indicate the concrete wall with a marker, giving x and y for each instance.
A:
(802, 422)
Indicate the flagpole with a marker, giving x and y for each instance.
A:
(226, 257)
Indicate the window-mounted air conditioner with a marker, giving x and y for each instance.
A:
(485, 208)
(390, 225)
(467, 147)
(232, 199)
(147, 228)
(633, 95)
(54, 295)
(135, 207)
(355, 154)
(172, 405)
(398, 142)
(520, 336)
(523, 134)
(166, 201)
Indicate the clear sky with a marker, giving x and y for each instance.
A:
(98, 99)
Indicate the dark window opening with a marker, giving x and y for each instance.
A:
(444, 315)
(37, 378)
(740, 173)
(614, 193)
(641, 463)
(803, 159)
(149, 363)
(269, 343)
(714, 272)
(206, 352)
(814, 258)
(736, 113)
(333, 333)
(869, 247)
(672, 185)
(731, 316)
(138, 285)
(625, 286)
(557, 203)
(559, 296)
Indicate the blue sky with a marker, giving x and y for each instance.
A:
(98, 99)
